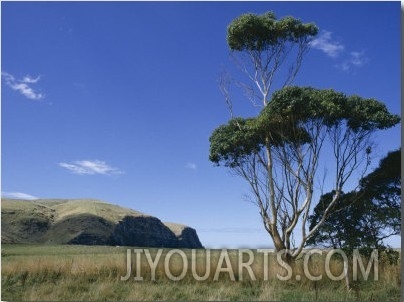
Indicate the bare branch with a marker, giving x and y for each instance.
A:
(224, 86)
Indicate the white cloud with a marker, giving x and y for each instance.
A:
(18, 195)
(191, 166)
(348, 62)
(22, 86)
(325, 43)
(29, 79)
(344, 66)
(90, 167)
(355, 60)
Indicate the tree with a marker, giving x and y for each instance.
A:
(278, 153)
(261, 45)
(382, 188)
(365, 217)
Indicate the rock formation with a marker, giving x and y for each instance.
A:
(88, 222)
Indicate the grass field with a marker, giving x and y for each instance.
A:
(94, 273)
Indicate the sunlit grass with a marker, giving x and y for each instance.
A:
(60, 273)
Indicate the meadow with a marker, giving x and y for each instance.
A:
(99, 273)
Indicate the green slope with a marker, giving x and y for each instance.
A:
(85, 221)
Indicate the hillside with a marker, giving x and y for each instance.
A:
(88, 222)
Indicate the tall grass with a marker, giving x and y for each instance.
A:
(88, 273)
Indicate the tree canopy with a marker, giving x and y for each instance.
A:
(260, 32)
(284, 119)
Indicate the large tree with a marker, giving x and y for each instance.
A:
(279, 153)
(365, 217)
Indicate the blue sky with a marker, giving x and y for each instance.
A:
(116, 100)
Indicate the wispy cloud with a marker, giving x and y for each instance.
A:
(23, 86)
(355, 60)
(329, 46)
(358, 58)
(191, 166)
(346, 61)
(18, 195)
(31, 80)
(90, 167)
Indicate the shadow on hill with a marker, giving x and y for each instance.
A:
(89, 223)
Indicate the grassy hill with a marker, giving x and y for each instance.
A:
(90, 222)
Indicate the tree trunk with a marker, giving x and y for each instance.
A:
(280, 246)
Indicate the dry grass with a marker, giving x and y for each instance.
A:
(93, 207)
(60, 273)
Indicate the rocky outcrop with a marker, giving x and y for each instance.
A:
(89, 222)
(187, 237)
(143, 231)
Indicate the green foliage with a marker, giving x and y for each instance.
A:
(369, 114)
(288, 118)
(232, 142)
(307, 103)
(384, 183)
(366, 217)
(301, 104)
(260, 32)
(345, 214)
